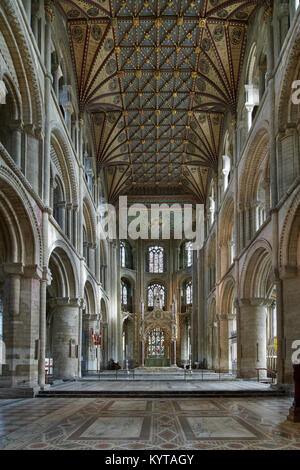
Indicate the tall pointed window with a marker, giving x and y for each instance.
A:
(189, 293)
(189, 254)
(122, 255)
(124, 293)
(156, 259)
(156, 290)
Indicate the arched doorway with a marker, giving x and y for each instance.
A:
(62, 345)
(257, 286)
(19, 286)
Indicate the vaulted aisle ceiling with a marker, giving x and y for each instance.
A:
(157, 76)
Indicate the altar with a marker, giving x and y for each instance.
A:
(158, 333)
(157, 362)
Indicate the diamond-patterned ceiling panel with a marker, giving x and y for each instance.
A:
(157, 77)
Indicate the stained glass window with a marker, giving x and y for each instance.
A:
(156, 259)
(122, 254)
(155, 290)
(156, 343)
(189, 293)
(124, 293)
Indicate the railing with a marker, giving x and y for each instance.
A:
(272, 373)
(118, 374)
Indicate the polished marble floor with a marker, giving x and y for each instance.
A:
(162, 385)
(160, 424)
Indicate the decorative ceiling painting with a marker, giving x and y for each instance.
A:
(156, 77)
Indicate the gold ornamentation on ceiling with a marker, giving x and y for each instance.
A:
(157, 77)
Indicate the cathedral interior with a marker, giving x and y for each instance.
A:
(168, 103)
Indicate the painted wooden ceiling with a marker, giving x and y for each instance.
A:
(156, 77)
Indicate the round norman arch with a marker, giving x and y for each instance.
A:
(283, 104)
(23, 62)
(63, 160)
(21, 229)
(257, 152)
(257, 273)
(89, 298)
(227, 295)
(289, 250)
(90, 222)
(65, 279)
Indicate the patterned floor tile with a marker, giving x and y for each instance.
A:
(161, 424)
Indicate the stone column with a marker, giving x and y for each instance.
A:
(16, 143)
(11, 325)
(247, 225)
(223, 343)
(214, 350)
(174, 353)
(104, 351)
(283, 15)
(143, 353)
(253, 336)
(14, 294)
(249, 108)
(69, 208)
(91, 257)
(42, 354)
(47, 98)
(79, 352)
(272, 131)
(62, 215)
(75, 227)
(184, 340)
(21, 325)
(35, 24)
(27, 8)
(68, 116)
(97, 263)
(65, 334)
(56, 77)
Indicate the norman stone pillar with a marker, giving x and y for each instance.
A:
(75, 226)
(214, 349)
(253, 337)
(65, 338)
(42, 354)
(16, 144)
(223, 343)
(47, 99)
(184, 340)
(69, 208)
